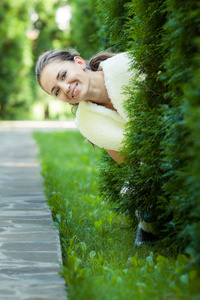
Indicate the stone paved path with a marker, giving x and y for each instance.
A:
(29, 245)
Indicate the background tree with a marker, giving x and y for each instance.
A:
(49, 37)
(15, 59)
(85, 28)
(27, 29)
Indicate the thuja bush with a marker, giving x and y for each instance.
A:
(181, 147)
(140, 181)
(144, 132)
(114, 14)
(160, 175)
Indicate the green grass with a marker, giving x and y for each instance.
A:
(99, 260)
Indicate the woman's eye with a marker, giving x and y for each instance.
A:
(63, 75)
(56, 92)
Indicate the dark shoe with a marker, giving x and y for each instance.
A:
(144, 237)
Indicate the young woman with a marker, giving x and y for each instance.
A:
(98, 88)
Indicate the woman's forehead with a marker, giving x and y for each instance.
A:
(48, 74)
(55, 66)
(57, 63)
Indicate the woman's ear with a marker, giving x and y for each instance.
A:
(80, 61)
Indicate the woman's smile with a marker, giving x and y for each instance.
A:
(75, 90)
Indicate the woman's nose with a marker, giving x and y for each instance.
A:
(66, 87)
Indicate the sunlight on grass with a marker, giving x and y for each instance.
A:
(99, 260)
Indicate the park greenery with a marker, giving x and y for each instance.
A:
(162, 167)
(28, 28)
(99, 257)
(161, 172)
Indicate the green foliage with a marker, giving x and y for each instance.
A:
(19, 50)
(114, 18)
(161, 171)
(181, 154)
(49, 35)
(15, 59)
(85, 26)
(99, 259)
(141, 173)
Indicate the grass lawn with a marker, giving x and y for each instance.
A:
(99, 260)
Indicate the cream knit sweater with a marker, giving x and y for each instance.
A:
(100, 125)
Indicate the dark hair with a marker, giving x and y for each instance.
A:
(63, 55)
(97, 59)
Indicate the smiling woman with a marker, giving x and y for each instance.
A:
(71, 82)
(98, 88)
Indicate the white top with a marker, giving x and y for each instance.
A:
(100, 125)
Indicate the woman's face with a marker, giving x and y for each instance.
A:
(66, 80)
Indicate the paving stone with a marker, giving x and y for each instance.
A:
(30, 252)
(34, 246)
(40, 256)
(24, 271)
(31, 229)
(29, 237)
(23, 206)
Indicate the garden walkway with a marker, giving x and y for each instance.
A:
(30, 250)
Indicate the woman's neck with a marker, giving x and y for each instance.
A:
(98, 92)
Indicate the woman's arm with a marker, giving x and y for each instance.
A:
(116, 155)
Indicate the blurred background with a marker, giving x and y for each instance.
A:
(28, 28)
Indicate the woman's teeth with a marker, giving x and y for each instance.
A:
(74, 92)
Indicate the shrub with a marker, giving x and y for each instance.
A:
(161, 171)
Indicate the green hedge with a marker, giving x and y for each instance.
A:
(114, 14)
(161, 172)
(181, 146)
